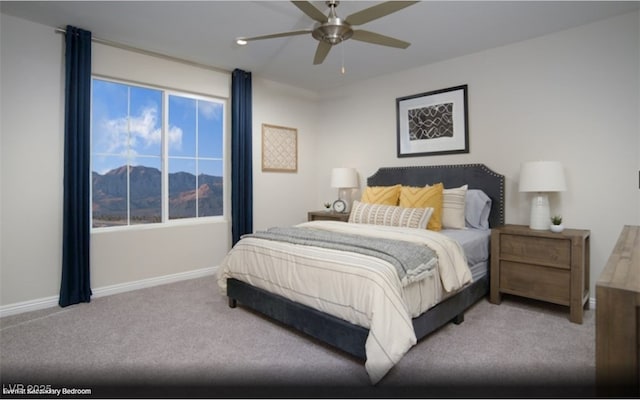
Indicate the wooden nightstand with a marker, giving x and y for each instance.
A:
(541, 265)
(327, 215)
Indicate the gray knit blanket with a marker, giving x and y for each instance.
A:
(411, 260)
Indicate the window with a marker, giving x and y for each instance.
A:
(157, 155)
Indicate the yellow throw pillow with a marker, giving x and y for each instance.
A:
(387, 195)
(423, 197)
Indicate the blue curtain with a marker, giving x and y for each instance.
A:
(75, 284)
(241, 155)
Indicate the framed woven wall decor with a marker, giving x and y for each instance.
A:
(279, 148)
(433, 123)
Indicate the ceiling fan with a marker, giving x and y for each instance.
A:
(330, 29)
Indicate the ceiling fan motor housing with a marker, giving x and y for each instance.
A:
(333, 31)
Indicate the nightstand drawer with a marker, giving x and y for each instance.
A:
(327, 216)
(539, 250)
(537, 282)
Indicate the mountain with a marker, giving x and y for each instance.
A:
(110, 195)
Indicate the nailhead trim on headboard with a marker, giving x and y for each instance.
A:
(477, 176)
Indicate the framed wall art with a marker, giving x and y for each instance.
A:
(433, 123)
(279, 149)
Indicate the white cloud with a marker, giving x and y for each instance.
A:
(143, 127)
(175, 137)
(124, 135)
(210, 110)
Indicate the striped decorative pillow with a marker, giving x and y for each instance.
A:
(379, 214)
(453, 207)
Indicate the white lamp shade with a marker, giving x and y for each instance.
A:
(542, 176)
(344, 178)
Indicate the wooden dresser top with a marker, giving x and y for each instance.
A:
(623, 267)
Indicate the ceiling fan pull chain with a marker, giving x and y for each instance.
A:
(342, 70)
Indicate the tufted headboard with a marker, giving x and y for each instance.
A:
(477, 176)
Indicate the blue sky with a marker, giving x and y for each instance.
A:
(127, 125)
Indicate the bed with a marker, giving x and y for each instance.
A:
(380, 337)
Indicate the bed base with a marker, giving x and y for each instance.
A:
(341, 334)
(349, 337)
(324, 327)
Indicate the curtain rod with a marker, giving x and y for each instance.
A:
(149, 53)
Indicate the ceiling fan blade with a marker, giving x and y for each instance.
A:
(377, 11)
(321, 52)
(311, 11)
(376, 38)
(277, 35)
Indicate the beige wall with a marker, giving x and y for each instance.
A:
(31, 60)
(32, 160)
(32, 141)
(123, 255)
(570, 96)
(283, 198)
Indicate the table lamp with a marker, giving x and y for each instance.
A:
(343, 179)
(541, 177)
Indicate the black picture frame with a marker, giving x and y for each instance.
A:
(433, 123)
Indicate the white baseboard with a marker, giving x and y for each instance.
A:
(47, 302)
(52, 301)
(150, 282)
(30, 305)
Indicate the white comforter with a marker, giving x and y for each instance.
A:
(361, 289)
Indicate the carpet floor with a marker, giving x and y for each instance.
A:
(182, 340)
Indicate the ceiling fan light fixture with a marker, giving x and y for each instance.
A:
(241, 42)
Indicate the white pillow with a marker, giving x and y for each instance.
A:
(380, 214)
(453, 207)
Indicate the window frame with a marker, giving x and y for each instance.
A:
(166, 92)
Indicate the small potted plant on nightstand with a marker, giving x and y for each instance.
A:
(556, 224)
(327, 206)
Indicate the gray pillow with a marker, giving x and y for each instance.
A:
(477, 209)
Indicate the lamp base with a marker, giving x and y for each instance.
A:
(344, 194)
(540, 216)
